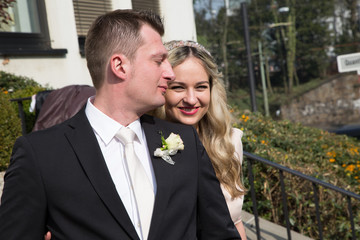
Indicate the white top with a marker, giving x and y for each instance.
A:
(235, 205)
(112, 149)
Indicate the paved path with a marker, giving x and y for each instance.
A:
(268, 230)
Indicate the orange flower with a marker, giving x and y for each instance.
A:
(350, 168)
(332, 160)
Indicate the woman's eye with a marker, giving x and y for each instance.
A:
(176, 87)
(203, 87)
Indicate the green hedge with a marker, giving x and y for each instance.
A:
(10, 82)
(329, 157)
(13, 86)
(10, 129)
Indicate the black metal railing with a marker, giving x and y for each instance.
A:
(315, 183)
(21, 111)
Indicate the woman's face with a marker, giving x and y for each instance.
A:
(188, 96)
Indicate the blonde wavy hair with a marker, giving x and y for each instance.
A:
(215, 127)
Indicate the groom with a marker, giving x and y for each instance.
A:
(73, 179)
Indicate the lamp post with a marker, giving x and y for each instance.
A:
(249, 60)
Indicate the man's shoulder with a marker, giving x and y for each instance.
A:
(148, 119)
(58, 129)
(154, 126)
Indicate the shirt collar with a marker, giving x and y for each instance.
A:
(107, 127)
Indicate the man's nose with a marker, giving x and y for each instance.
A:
(168, 71)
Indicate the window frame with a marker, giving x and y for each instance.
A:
(29, 44)
(82, 15)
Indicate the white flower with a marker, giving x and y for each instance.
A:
(170, 146)
(174, 142)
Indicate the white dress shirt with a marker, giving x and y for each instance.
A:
(112, 149)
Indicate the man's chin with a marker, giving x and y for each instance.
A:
(156, 105)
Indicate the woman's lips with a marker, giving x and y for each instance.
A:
(189, 110)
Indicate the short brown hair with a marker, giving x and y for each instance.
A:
(116, 32)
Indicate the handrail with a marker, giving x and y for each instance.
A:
(21, 111)
(299, 174)
(314, 181)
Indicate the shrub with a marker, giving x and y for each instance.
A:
(23, 93)
(10, 129)
(14, 87)
(10, 82)
(329, 157)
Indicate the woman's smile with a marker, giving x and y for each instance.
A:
(189, 110)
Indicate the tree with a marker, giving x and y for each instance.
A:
(224, 45)
(296, 42)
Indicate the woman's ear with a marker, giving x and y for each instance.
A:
(118, 65)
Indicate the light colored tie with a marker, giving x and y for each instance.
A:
(143, 190)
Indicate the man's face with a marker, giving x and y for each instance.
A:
(150, 72)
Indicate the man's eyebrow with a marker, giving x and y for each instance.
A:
(160, 54)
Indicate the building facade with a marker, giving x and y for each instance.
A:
(44, 39)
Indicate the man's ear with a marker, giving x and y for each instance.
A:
(119, 65)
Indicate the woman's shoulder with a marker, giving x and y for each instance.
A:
(236, 133)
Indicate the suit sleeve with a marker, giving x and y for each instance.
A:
(23, 202)
(214, 221)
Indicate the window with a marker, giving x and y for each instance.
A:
(152, 5)
(86, 11)
(27, 31)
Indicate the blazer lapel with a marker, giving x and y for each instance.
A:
(86, 147)
(162, 171)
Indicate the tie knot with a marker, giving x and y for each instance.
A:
(125, 135)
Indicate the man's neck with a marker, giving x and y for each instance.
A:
(119, 112)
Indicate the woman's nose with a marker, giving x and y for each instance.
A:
(190, 97)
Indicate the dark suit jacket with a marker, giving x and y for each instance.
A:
(58, 181)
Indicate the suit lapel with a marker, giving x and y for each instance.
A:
(162, 170)
(86, 147)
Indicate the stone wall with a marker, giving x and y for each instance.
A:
(334, 103)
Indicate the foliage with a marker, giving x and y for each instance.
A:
(305, 29)
(5, 17)
(328, 157)
(10, 82)
(241, 97)
(25, 93)
(348, 41)
(21, 87)
(10, 129)
(14, 87)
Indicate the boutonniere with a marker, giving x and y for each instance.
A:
(170, 146)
